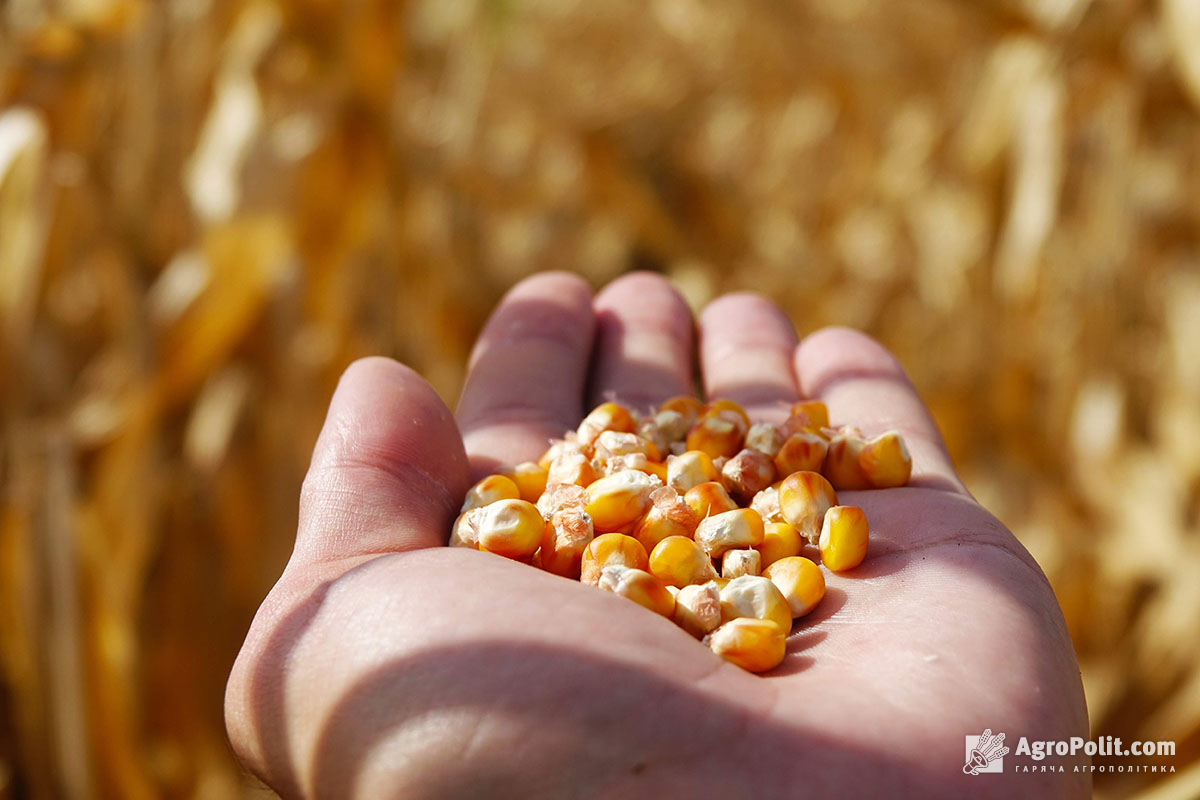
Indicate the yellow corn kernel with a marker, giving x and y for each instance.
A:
(766, 438)
(611, 549)
(716, 434)
(738, 529)
(800, 581)
(698, 609)
(656, 468)
(679, 561)
(802, 452)
(564, 537)
(557, 448)
(665, 428)
(730, 410)
(736, 563)
(842, 465)
(639, 586)
(614, 443)
(573, 468)
(780, 540)
(844, 537)
(604, 417)
(510, 528)
(669, 515)
(706, 499)
(686, 406)
(530, 479)
(815, 410)
(463, 533)
(766, 503)
(885, 461)
(559, 496)
(757, 597)
(690, 469)
(755, 645)
(803, 499)
(747, 474)
(489, 490)
(618, 501)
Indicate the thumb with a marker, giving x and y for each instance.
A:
(388, 471)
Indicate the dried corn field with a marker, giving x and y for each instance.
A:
(208, 208)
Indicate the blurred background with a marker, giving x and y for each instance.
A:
(209, 207)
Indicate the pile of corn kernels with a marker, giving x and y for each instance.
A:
(694, 513)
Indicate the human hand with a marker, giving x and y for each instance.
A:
(385, 665)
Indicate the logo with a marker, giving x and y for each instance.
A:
(985, 753)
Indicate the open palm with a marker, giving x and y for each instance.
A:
(385, 665)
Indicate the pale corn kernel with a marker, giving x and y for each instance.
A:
(611, 549)
(559, 447)
(573, 468)
(803, 499)
(686, 406)
(615, 464)
(698, 608)
(780, 541)
(844, 537)
(559, 496)
(706, 499)
(730, 410)
(564, 538)
(604, 417)
(463, 533)
(766, 503)
(679, 561)
(716, 435)
(692, 468)
(737, 529)
(639, 586)
(510, 528)
(885, 461)
(803, 451)
(842, 466)
(800, 581)
(765, 437)
(615, 443)
(816, 411)
(618, 501)
(747, 474)
(755, 645)
(757, 597)
(669, 515)
(664, 428)
(489, 490)
(530, 479)
(736, 563)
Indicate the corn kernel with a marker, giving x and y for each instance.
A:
(530, 479)
(618, 501)
(559, 496)
(716, 434)
(690, 469)
(802, 452)
(639, 586)
(573, 468)
(842, 465)
(800, 581)
(698, 609)
(706, 499)
(730, 410)
(815, 410)
(737, 529)
(686, 406)
(669, 515)
(614, 443)
(611, 549)
(463, 533)
(780, 540)
(679, 561)
(664, 428)
(844, 537)
(489, 490)
(604, 417)
(803, 499)
(747, 474)
(766, 503)
(766, 438)
(885, 461)
(510, 528)
(755, 645)
(564, 537)
(736, 563)
(557, 448)
(757, 597)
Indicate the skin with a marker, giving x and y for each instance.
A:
(385, 665)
